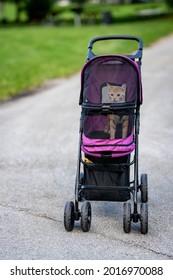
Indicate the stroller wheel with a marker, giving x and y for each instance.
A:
(69, 216)
(86, 216)
(144, 188)
(144, 218)
(127, 217)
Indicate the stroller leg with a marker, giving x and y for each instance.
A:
(136, 181)
(143, 215)
(136, 157)
(77, 213)
(71, 210)
(135, 213)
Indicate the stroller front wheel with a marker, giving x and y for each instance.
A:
(144, 218)
(69, 216)
(127, 217)
(86, 216)
(144, 188)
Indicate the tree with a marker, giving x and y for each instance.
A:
(78, 9)
(79, 2)
(169, 3)
(19, 6)
(37, 10)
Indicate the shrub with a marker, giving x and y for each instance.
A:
(38, 10)
(169, 3)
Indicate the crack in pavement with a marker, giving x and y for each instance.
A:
(137, 245)
(29, 211)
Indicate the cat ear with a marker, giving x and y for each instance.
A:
(123, 87)
(109, 86)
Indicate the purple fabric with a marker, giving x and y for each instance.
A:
(94, 123)
(95, 147)
(99, 122)
(97, 72)
(114, 69)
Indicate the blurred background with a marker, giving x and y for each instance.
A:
(47, 39)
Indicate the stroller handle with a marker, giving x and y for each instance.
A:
(138, 54)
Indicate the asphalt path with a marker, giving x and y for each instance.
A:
(38, 159)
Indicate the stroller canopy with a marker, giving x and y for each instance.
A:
(114, 69)
(96, 76)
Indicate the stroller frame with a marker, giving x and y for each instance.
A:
(84, 190)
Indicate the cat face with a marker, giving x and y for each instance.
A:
(117, 93)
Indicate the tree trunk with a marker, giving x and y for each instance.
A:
(1, 7)
(17, 3)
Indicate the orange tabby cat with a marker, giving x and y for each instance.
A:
(117, 94)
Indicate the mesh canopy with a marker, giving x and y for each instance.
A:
(112, 69)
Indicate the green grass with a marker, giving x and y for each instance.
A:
(31, 55)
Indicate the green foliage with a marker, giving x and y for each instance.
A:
(79, 2)
(90, 13)
(169, 3)
(38, 10)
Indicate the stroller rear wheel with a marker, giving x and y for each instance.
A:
(127, 217)
(144, 188)
(69, 216)
(86, 216)
(144, 218)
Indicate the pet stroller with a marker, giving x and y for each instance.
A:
(107, 168)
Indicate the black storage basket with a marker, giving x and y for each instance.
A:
(107, 179)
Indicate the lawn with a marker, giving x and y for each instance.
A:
(30, 55)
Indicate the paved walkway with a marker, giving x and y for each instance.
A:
(38, 144)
